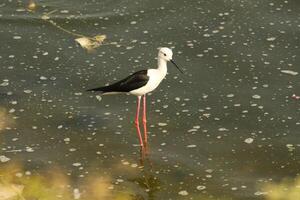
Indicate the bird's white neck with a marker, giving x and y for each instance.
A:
(162, 67)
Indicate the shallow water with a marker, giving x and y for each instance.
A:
(221, 131)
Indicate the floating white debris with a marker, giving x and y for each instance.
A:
(162, 124)
(110, 187)
(43, 78)
(29, 149)
(12, 110)
(17, 37)
(64, 11)
(27, 91)
(76, 164)
(45, 17)
(223, 129)
(201, 187)
(290, 147)
(13, 102)
(5, 83)
(76, 193)
(290, 72)
(259, 193)
(134, 165)
(120, 180)
(249, 140)
(207, 115)
(230, 95)
(125, 163)
(183, 193)
(271, 39)
(192, 130)
(191, 146)
(98, 97)
(4, 159)
(256, 96)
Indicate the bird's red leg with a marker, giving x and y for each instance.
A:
(137, 122)
(145, 120)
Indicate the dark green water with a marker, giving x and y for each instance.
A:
(225, 125)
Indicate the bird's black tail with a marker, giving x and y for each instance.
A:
(102, 90)
(99, 89)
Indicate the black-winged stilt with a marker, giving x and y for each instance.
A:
(139, 84)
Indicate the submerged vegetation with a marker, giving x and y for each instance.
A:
(51, 184)
(5, 119)
(16, 183)
(288, 189)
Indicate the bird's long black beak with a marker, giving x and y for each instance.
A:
(172, 61)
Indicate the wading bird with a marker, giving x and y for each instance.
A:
(139, 84)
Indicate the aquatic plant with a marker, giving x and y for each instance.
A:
(5, 119)
(287, 189)
(53, 183)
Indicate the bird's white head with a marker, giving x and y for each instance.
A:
(165, 54)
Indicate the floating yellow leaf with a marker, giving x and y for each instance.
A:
(31, 6)
(84, 42)
(100, 38)
(88, 43)
(91, 43)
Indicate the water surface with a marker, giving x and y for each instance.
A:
(221, 131)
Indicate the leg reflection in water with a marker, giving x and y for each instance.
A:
(147, 179)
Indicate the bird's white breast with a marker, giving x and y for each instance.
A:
(155, 77)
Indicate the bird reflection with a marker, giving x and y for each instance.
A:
(147, 179)
(149, 183)
(144, 154)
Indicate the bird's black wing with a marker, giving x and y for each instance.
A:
(132, 82)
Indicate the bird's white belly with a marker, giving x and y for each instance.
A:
(154, 81)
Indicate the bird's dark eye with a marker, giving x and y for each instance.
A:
(165, 54)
